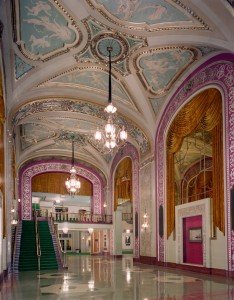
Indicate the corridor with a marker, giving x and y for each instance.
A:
(103, 278)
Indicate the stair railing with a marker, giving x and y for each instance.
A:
(55, 232)
(16, 251)
(38, 244)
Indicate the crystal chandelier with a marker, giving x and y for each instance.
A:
(111, 136)
(73, 183)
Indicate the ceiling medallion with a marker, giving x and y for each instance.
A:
(101, 42)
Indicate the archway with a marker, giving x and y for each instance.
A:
(195, 125)
(216, 72)
(32, 169)
(131, 152)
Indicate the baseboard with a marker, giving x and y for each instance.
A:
(200, 269)
(146, 260)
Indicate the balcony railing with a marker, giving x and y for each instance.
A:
(79, 217)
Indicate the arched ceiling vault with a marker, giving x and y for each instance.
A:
(57, 73)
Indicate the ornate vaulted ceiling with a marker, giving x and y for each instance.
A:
(57, 72)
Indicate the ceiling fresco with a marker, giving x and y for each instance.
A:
(57, 68)
(158, 68)
(101, 36)
(37, 110)
(148, 14)
(44, 29)
(94, 78)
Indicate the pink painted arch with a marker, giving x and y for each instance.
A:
(32, 169)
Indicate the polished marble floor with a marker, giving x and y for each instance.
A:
(102, 278)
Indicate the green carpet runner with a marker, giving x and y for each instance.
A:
(48, 257)
(28, 252)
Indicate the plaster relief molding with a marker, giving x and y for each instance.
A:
(129, 151)
(39, 167)
(215, 72)
(196, 208)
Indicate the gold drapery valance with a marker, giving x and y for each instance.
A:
(204, 112)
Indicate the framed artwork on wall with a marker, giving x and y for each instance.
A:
(195, 235)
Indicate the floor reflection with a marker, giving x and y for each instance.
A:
(103, 278)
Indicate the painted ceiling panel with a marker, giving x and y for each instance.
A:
(147, 11)
(44, 29)
(148, 14)
(94, 80)
(159, 68)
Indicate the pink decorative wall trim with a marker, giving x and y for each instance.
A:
(216, 72)
(39, 167)
(130, 151)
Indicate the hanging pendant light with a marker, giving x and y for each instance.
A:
(73, 183)
(111, 136)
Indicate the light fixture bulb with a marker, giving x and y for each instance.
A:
(112, 144)
(109, 128)
(107, 144)
(110, 108)
(98, 135)
(123, 134)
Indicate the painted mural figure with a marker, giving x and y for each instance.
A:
(130, 7)
(39, 7)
